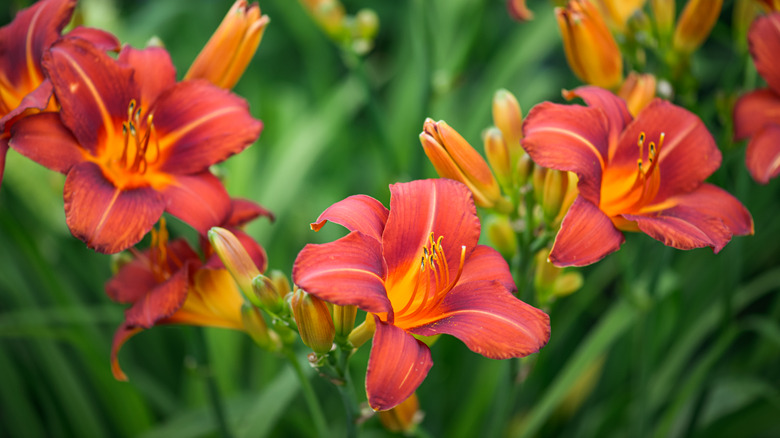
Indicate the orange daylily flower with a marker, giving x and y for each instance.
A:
(24, 89)
(757, 113)
(417, 270)
(169, 284)
(133, 142)
(635, 174)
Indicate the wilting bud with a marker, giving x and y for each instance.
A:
(591, 51)
(269, 296)
(501, 235)
(226, 55)
(403, 418)
(508, 117)
(255, 326)
(518, 10)
(695, 24)
(663, 15)
(236, 260)
(344, 319)
(498, 156)
(454, 158)
(315, 324)
(637, 90)
(618, 12)
(551, 282)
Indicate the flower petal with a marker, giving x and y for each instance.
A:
(122, 334)
(92, 88)
(108, 218)
(754, 110)
(586, 236)
(572, 138)
(356, 213)
(397, 365)
(764, 42)
(707, 216)
(37, 99)
(199, 124)
(688, 154)
(199, 200)
(101, 39)
(425, 209)
(481, 312)
(348, 271)
(161, 302)
(44, 139)
(244, 211)
(763, 154)
(154, 71)
(613, 106)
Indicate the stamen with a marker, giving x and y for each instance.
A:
(136, 160)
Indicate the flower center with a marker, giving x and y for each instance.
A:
(432, 284)
(160, 261)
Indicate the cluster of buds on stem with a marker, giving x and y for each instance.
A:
(355, 32)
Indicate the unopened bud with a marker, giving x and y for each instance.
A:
(498, 156)
(344, 319)
(255, 326)
(235, 258)
(265, 290)
(525, 167)
(508, 117)
(663, 16)
(637, 90)
(552, 282)
(695, 24)
(403, 418)
(501, 235)
(280, 282)
(315, 324)
(618, 12)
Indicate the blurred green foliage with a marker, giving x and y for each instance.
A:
(658, 342)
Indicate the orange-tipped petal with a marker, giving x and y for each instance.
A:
(45, 140)
(109, 219)
(397, 365)
(122, 334)
(356, 213)
(763, 154)
(199, 200)
(755, 110)
(571, 138)
(586, 236)
(348, 271)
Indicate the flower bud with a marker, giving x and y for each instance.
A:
(518, 10)
(344, 319)
(454, 158)
(637, 90)
(315, 324)
(227, 54)
(269, 296)
(695, 24)
(255, 326)
(508, 117)
(618, 12)
(551, 282)
(501, 235)
(403, 418)
(525, 167)
(498, 156)
(591, 51)
(663, 15)
(280, 282)
(236, 260)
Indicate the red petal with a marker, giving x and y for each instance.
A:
(357, 213)
(101, 39)
(708, 216)
(199, 124)
(107, 218)
(755, 110)
(24, 40)
(688, 155)
(160, 302)
(123, 333)
(93, 89)
(572, 138)
(441, 207)
(586, 236)
(37, 99)
(244, 211)
(348, 271)
(763, 154)
(764, 42)
(199, 200)
(154, 71)
(482, 312)
(613, 106)
(397, 365)
(44, 139)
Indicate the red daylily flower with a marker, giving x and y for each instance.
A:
(418, 270)
(23, 87)
(133, 142)
(168, 284)
(757, 114)
(643, 174)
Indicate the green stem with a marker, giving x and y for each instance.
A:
(348, 398)
(204, 370)
(308, 393)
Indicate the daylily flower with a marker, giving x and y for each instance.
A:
(417, 270)
(133, 142)
(169, 284)
(757, 114)
(643, 174)
(23, 87)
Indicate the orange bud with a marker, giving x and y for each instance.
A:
(270, 297)
(696, 22)
(501, 234)
(518, 10)
(315, 324)
(591, 51)
(403, 418)
(236, 260)
(508, 117)
(637, 90)
(227, 54)
(618, 12)
(663, 14)
(344, 319)
(454, 158)
(498, 156)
